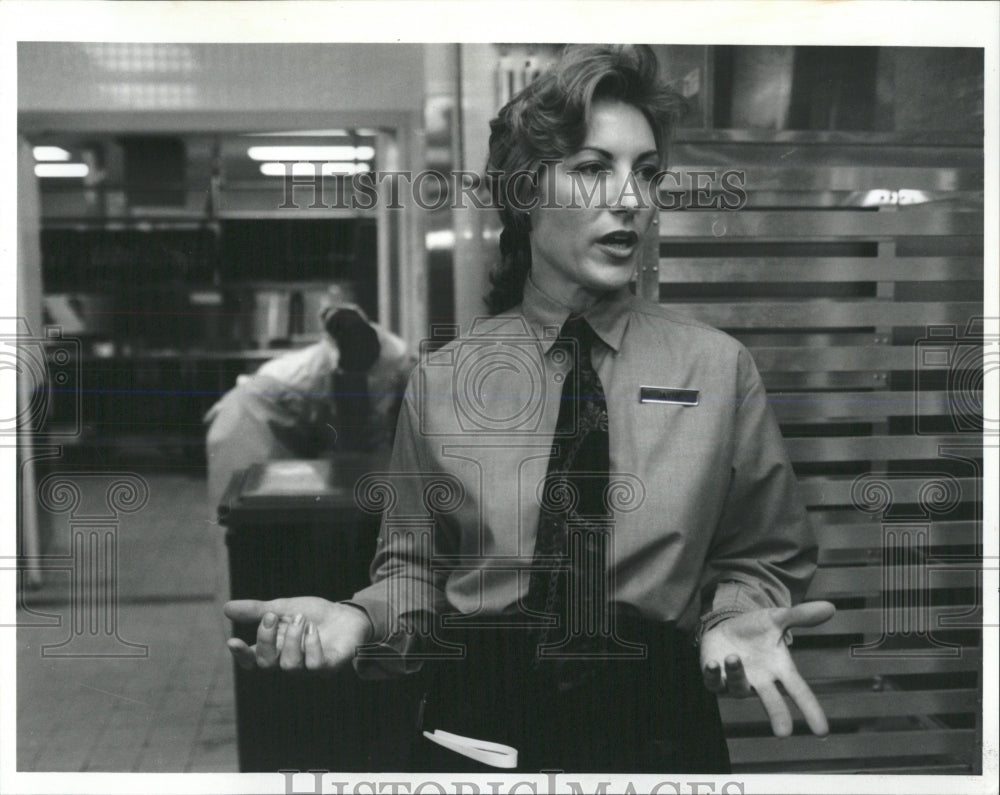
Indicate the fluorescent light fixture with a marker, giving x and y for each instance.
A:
(907, 196)
(889, 198)
(309, 169)
(440, 240)
(66, 170)
(50, 153)
(366, 131)
(312, 153)
(149, 57)
(336, 133)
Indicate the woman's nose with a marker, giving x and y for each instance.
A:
(625, 196)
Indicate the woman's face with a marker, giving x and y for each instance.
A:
(595, 208)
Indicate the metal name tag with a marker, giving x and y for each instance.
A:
(660, 394)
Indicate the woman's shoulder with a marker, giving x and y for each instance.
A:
(654, 318)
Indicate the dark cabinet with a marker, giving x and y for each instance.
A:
(292, 528)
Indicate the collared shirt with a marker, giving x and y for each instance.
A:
(706, 510)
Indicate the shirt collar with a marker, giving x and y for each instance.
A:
(608, 317)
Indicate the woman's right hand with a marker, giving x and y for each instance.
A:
(300, 633)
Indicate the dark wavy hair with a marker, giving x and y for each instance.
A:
(548, 121)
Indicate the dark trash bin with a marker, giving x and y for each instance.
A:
(292, 529)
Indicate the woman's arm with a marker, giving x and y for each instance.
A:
(760, 563)
(408, 579)
(381, 626)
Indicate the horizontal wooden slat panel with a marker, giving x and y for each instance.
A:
(946, 143)
(820, 196)
(867, 745)
(866, 448)
(788, 197)
(831, 150)
(790, 358)
(818, 269)
(828, 313)
(873, 621)
(760, 225)
(820, 338)
(938, 769)
(862, 535)
(836, 664)
(762, 177)
(888, 703)
(833, 380)
(805, 407)
(829, 491)
(836, 581)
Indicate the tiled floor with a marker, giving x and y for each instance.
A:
(170, 710)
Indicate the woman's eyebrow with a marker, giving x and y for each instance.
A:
(608, 156)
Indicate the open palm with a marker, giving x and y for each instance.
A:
(303, 632)
(747, 654)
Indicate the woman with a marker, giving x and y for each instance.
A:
(623, 538)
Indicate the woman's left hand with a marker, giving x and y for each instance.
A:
(747, 654)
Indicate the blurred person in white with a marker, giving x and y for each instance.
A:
(341, 393)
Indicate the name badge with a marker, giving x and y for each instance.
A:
(662, 394)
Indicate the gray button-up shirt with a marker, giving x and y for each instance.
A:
(706, 514)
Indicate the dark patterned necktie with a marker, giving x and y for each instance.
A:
(573, 512)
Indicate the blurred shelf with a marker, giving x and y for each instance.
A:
(138, 223)
(198, 354)
(302, 212)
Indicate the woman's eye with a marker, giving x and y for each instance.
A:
(646, 173)
(591, 169)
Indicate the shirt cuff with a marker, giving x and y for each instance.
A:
(732, 599)
(385, 656)
(737, 597)
(712, 619)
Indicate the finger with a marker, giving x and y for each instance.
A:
(807, 614)
(267, 653)
(243, 654)
(712, 676)
(807, 703)
(279, 641)
(776, 708)
(736, 678)
(248, 611)
(312, 647)
(291, 652)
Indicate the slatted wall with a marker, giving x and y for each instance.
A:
(853, 274)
